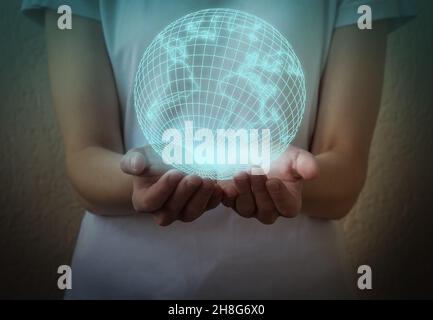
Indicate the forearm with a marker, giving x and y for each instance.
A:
(334, 192)
(96, 176)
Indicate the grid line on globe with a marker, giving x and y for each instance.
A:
(220, 69)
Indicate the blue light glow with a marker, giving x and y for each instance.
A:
(219, 69)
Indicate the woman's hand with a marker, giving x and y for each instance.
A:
(168, 194)
(278, 194)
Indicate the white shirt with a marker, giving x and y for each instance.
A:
(220, 255)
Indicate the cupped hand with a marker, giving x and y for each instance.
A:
(279, 193)
(165, 193)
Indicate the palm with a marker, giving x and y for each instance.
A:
(277, 193)
(167, 194)
(284, 169)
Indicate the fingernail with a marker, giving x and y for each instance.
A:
(134, 162)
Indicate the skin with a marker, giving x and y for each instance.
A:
(323, 184)
(327, 184)
(266, 197)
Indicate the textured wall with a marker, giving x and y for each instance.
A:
(389, 228)
(39, 218)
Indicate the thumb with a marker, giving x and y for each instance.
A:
(305, 165)
(134, 162)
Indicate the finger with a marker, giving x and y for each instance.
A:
(140, 161)
(154, 197)
(229, 196)
(305, 165)
(134, 162)
(175, 204)
(215, 199)
(283, 200)
(266, 211)
(197, 204)
(245, 203)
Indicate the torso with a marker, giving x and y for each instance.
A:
(221, 255)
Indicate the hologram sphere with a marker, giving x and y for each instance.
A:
(219, 69)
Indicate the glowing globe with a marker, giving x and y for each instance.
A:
(219, 69)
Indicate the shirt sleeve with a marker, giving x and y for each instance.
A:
(84, 8)
(399, 11)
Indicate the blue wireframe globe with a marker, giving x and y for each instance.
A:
(219, 69)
